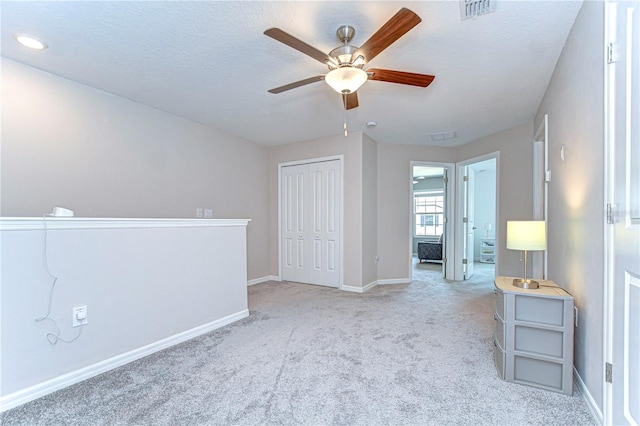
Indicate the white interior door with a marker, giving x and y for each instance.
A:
(469, 221)
(445, 218)
(310, 223)
(625, 301)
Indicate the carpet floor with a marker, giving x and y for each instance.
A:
(417, 354)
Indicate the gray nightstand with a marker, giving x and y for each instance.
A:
(534, 335)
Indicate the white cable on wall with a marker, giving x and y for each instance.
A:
(53, 338)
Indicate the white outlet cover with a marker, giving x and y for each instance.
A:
(79, 316)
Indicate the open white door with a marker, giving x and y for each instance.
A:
(445, 203)
(469, 221)
(623, 402)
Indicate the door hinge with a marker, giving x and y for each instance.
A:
(547, 176)
(609, 214)
(465, 178)
(612, 53)
(465, 261)
(445, 180)
(444, 260)
(465, 220)
(608, 372)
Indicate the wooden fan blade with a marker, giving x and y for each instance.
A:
(299, 45)
(395, 28)
(350, 101)
(297, 84)
(400, 77)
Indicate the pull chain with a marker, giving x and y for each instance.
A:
(346, 132)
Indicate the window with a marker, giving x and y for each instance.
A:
(428, 209)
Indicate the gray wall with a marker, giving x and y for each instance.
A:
(101, 155)
(394, 203)
(369, 210)
(574, 101)
(514, 172)
(351, 148)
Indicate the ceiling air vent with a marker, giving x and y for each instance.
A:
(471, 9)
(437, 137)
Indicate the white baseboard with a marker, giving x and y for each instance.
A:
(41, 389)
(375, 283)
(395, 281)
(588, 399)
(262, 280)
(355, 289)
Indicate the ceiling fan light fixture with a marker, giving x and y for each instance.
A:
(346, 80)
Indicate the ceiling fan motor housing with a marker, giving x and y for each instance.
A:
(343, 55)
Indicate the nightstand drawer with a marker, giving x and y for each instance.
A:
(538, 341)
(537, 372)
(539, 310)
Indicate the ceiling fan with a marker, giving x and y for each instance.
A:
(346, 62)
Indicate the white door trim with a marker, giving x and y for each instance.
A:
(341, 210)
(450, 226)
(609, 197)
(541, 173)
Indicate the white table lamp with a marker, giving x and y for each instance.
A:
(526, 235)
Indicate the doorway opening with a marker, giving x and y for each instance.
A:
(477, 216)
(431, 206)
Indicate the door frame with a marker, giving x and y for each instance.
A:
(459, 235)
(449, 228)
(340, 158)
(541, 179)
(609, 229)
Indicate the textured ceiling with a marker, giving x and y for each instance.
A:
(211, 63)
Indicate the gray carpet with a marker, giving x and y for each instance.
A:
(418, 354)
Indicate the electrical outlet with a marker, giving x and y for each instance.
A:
(208, 214)
(79, 316)
(198, 212)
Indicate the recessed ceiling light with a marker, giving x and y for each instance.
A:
(30, 41)
(372, 124)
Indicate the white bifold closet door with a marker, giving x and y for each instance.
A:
(310, 229)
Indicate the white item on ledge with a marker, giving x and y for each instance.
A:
(62, 212)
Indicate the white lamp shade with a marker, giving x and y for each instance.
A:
(487, 226)
(526, 235)
(346, 80)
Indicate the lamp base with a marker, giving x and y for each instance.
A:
(526, 283)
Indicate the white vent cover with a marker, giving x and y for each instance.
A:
(471, 9)
(436, 137)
